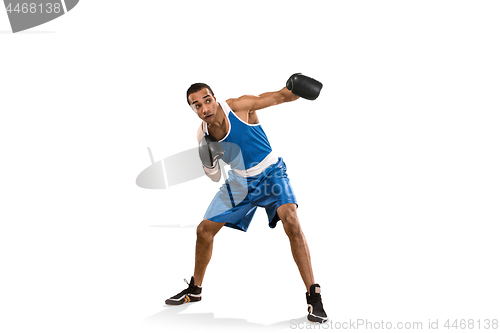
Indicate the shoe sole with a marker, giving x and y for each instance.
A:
(313, 318)
(184, 299)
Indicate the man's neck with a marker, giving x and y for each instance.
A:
(220, 118)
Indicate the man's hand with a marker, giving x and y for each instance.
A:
(210, 151)
(304, 86)
(215, 173)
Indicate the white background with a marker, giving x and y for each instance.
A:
(395, 165)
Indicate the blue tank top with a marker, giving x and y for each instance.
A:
(245, 145)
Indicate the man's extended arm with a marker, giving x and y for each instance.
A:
(252, 103)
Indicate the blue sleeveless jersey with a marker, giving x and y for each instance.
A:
(245, 145)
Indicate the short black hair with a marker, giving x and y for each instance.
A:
(195, 87)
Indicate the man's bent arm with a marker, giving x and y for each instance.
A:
(215, 173)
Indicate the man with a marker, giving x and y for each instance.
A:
(231, 131)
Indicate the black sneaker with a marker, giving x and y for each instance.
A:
(315, 306)
(190, 294)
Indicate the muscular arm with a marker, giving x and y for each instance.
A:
(249, 103)
(214, 175)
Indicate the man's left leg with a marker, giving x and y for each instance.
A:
(298, 242)
(300, 251)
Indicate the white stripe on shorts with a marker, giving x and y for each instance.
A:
(269, 160)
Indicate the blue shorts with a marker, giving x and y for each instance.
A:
(237, 200)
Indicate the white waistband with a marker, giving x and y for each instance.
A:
(269, 160)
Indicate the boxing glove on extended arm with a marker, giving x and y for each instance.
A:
(304, 86)
(210, 151)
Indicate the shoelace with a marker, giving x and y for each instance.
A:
(189, 284)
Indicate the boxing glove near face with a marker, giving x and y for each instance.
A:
(210, 151)
(304, 86)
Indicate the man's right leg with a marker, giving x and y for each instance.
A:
(205, 234)
(204, 243)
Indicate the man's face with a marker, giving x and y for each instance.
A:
(204, 104)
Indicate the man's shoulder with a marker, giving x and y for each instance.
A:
(199, 132)
(242, 113)
(236, 105)
(230, 102)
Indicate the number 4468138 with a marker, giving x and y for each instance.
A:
(33, 8)
(471, 324)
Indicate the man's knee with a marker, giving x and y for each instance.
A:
(290, 220)
(203, 231)
(207, 229)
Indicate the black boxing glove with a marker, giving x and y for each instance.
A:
(210, 151)
(304, 86)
